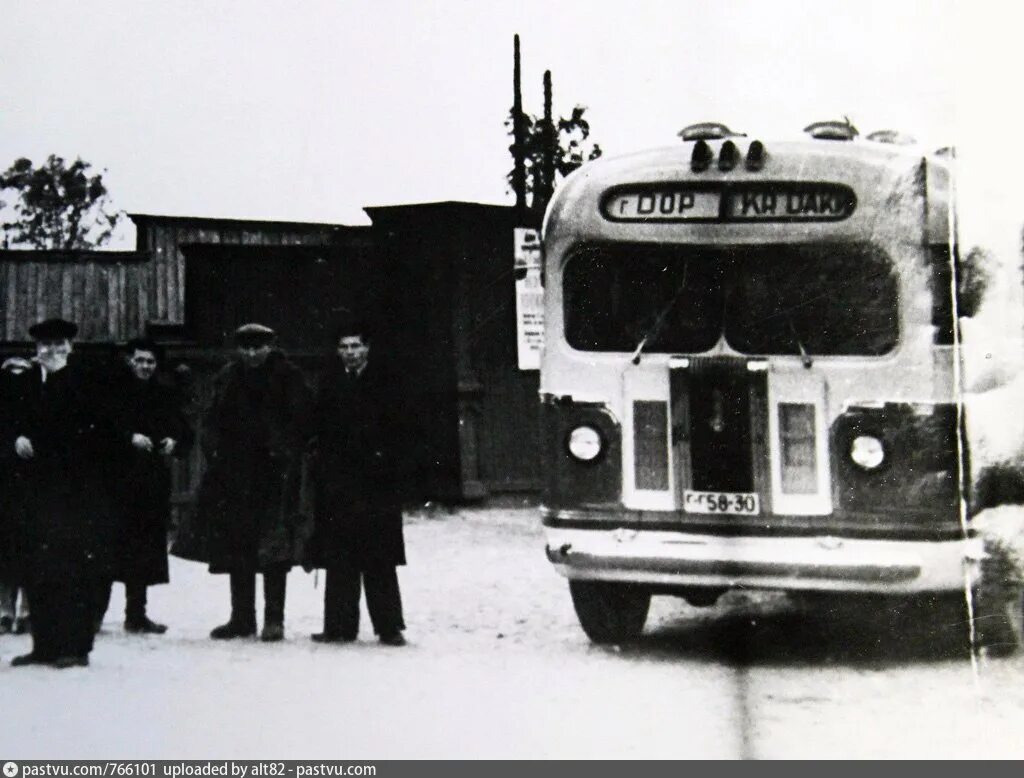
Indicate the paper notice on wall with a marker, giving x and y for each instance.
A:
(529, 297)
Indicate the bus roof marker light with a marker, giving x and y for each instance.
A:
(894, 137)
(728, 156)
(755, 156)
(707, 131)
(702, 156)
(832, 130)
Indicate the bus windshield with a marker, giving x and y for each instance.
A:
(821, 299)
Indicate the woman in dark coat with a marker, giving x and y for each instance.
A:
(66, 437)
(358, 535)
(253, 438)
(155, 430)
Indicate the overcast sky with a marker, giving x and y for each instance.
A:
(311, 110)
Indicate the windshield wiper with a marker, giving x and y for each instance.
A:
(807, 359)
(660, 320)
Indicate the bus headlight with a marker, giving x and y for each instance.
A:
(585, 443)
(867, 452)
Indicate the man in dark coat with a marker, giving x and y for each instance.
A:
(358, 533)
(155, 430)
(14, 610)
(253, 438)
(65, 438)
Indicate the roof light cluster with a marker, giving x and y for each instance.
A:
(729, 154)
(844, 130)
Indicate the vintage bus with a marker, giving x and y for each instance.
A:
(750, 379)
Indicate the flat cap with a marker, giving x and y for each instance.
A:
(254, 333)
(57, 329)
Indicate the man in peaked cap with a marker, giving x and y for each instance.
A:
(64, 438)
(248, 505)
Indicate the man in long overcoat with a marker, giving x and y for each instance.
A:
(358, 534)
(253, 437)
(155, 430)
(66, 439)
(14, 610)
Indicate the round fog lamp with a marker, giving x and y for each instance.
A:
(585, 443)
(867, 452)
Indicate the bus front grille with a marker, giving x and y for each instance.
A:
(719, 423)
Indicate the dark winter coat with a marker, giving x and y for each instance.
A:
(357, 470)
(149, 408)
(11, 490)
(253, 438)
(65, 527)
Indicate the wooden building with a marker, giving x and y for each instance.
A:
(435, 279)
(162, 237)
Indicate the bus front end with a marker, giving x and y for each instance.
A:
(749, 378)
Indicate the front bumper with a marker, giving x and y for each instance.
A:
(818, 563)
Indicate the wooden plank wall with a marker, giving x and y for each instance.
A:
(453, 276)
(96, 290)
(508, 404)
(162, 296)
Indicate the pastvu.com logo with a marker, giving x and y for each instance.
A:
(10, 769)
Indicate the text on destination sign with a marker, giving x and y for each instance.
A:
(763, 202)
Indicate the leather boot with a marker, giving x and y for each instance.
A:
(242, 623)
(273, 611)
(233, 630)
(135, 618)
(144, 626)
(272, 632)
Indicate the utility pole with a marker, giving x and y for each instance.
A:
(518, 138)
(547, 176)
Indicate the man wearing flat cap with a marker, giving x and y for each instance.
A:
(248, 503)
(63, 438)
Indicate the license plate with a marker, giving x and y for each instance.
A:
(742, 503)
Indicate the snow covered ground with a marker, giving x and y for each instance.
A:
(497, 667)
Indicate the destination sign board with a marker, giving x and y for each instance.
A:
(769, 201)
